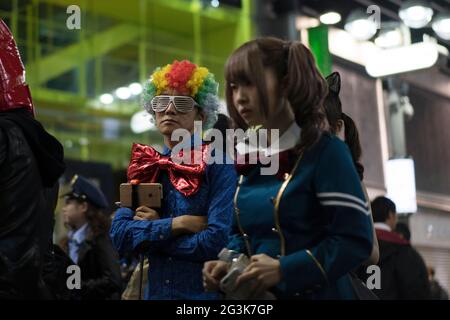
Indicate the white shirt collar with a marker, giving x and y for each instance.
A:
(287, 141)
(382, 226)
(79, 235)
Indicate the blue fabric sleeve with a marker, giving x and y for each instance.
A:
(206, 245)
(127, 234)
(237, 242)
(349, 239)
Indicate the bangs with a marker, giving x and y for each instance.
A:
(240, 66)
(245, 67)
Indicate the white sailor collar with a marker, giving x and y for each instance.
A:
(287, 141)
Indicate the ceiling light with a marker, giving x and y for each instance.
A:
(106, 98)
(441, 25)
(330, 18)
(304, 22)
(135, 88)
(389, 39)
(140, 122)
(415, 13)
(123, 93)
(393, 34)
(215, 3)
(360, 26)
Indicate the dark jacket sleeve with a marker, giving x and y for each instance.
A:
(2, 147)
(109, 284)
(412, 276)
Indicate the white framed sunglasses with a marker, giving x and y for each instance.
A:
(182, 104)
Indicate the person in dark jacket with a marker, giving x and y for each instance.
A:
(88, 243)
(31, 161)
(403, 272)
(403, 231)
(437, 291)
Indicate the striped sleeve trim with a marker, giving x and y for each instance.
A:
(343, 200)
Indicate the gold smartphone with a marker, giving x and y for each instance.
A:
(143, 194)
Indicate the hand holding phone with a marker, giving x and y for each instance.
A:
(143, 194)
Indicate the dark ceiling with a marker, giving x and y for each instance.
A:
(389, 12)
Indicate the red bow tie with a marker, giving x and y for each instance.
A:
(146, 164)
(243, 165)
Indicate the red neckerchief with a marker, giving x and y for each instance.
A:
(390, 236)
(243, 165)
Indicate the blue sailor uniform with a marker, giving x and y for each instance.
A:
(318, 224)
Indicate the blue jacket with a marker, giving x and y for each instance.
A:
(323, 218)
(175, 263)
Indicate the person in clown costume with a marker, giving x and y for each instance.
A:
(194, 221)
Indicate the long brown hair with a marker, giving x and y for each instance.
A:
(98, 220)
(295, 67)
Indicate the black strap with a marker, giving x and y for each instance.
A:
(134, 196)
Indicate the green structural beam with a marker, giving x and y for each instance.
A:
(48, 99)
(129, 10)
(59, 98)
(318, 43)
(71, 56)
(245, 30)
(224, 14)
(196, 9)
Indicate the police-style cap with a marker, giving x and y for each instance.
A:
(83, 189)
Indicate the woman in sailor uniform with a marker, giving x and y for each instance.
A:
(307, 226)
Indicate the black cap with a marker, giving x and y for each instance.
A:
(83, 189)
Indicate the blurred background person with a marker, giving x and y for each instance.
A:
(403, 231)
(345, 128)
(88, 243)
(403, 272)
(437, 291)
(31, 161)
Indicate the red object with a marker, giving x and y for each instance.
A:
(243, 166)
(180, 74)
(389, 236)
(14, 92)
(146, 164)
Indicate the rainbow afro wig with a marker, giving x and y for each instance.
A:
(188, 79)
